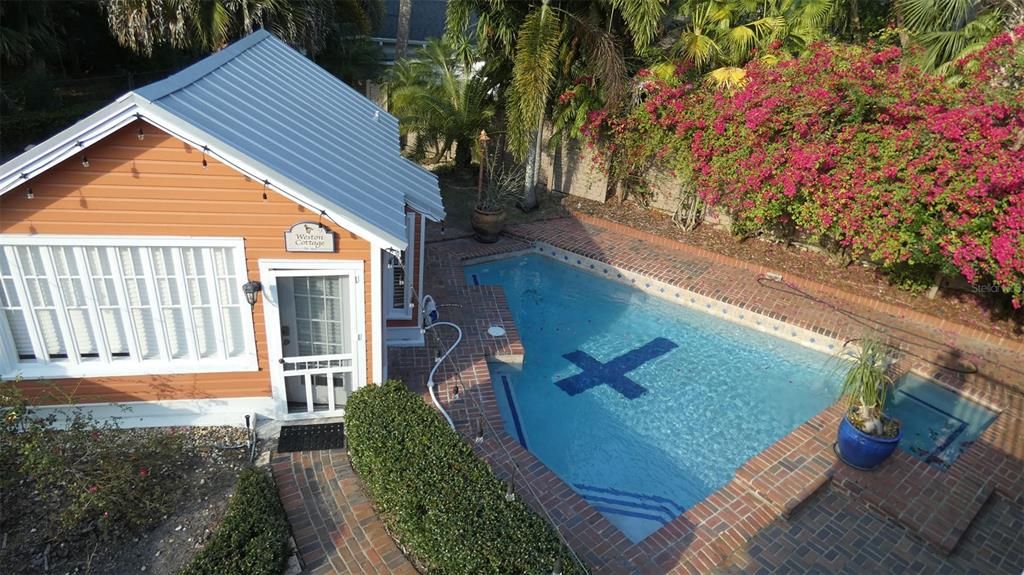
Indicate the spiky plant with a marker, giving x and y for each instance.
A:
(866, 384)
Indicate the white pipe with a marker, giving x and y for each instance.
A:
(430, 379)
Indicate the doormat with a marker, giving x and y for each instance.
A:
(311, 437)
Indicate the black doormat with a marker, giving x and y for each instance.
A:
(311, 437)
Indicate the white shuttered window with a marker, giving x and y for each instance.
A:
(122, 306)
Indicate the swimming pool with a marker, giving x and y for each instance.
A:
(644, 407)
(938, 424)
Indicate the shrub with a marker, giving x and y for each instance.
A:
(253, 538)
(444, 504)
(852, 145)
(87, 474)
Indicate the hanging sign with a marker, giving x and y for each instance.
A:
(308, 237)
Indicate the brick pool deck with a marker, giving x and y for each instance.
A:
(796, 481)
(333, 522)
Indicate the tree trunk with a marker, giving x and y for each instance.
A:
(529, 202)
(402, 33)
(854, 19)
(463, 153)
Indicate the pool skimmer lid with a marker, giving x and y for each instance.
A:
(496, 331)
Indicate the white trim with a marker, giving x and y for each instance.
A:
(167, 413)
(270, 270)
(376, 313)
(130, 368)
(73, 367)
(122, 241)
(421, 247)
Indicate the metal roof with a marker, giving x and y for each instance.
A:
(287, 119)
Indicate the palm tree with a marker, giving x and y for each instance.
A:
(717, 34)
(948, 30)
(541, 46)
(440, 99)
(207, 25)
(402, 31)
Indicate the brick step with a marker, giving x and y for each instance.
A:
(933, 505)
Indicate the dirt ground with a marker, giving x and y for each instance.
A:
(163, 549)
(976, 310)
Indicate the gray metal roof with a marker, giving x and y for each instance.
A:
(294, 121)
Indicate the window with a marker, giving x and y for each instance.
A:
(400, 288)
(106, 306)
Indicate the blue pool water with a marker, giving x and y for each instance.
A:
(643, 406)
(937, 423)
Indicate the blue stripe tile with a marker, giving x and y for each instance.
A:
(622, 493)
(515, 413)
(612, 511)
(665, 512)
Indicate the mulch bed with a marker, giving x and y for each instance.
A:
(962, 307)
(168, 545)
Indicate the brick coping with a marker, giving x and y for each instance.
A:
(804, 283)
(771, 484)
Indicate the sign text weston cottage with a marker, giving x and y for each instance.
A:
(308, 237)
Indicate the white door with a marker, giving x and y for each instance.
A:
(315, 332)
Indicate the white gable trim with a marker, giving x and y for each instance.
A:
(127, 109)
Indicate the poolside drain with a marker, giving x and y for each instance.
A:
(311, 437)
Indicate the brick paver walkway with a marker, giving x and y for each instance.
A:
(332, 520)
(832, 533)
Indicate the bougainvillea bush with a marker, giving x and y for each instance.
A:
(851, 145)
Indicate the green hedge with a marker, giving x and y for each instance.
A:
(442, 502)
(253, 538)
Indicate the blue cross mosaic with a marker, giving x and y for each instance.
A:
(613, 373)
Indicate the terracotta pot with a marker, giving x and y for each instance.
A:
(488, 225)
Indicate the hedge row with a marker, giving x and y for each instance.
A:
(444, 504)
(253, 538)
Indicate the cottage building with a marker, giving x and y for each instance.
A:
(241, 237)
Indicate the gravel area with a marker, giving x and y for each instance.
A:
(211, 470)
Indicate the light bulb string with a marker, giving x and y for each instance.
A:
(266, 181)
(515, 466)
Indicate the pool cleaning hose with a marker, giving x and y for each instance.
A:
(430, 322)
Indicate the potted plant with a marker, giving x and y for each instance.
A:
(866, 437)
(501, 184)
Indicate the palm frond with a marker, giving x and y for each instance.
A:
(532, 75)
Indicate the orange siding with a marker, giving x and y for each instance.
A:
(158, 186)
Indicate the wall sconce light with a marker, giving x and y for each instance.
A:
(29, 194)
(252, 290)
(85, 161)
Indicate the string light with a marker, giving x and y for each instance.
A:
(142, 135)
(29, 194)
(205, 164)
(265, 184)
(85, 161)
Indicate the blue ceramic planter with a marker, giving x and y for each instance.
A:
(862, 450)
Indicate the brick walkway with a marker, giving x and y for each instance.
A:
(781, 481)
(832, 533)
(332, 521)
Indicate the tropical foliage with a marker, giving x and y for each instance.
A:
(208, 25)
(866, 384)
(948, 30)
(853, 147)
(441, 98)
